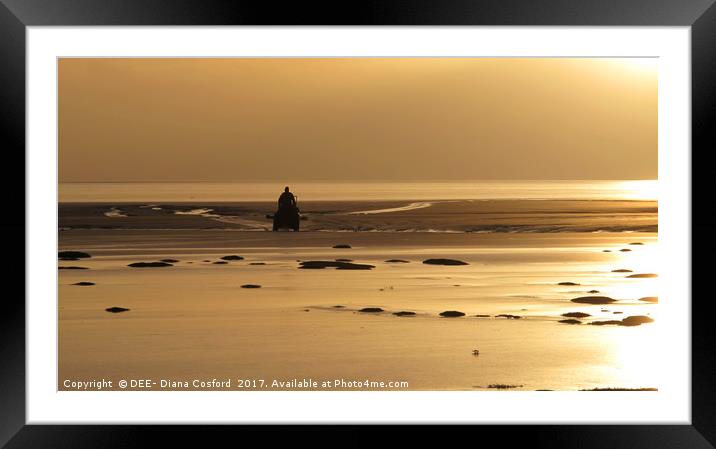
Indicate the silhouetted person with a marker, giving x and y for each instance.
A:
(286, 200)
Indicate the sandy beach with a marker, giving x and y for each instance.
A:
(466, 223)
(525, 260)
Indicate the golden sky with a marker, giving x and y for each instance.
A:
(278, 119)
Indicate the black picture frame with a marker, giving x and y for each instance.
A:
(16, 15)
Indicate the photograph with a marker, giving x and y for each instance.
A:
(245, 220)
(358, 224)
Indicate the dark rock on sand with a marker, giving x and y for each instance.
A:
(116, 309)
(233, 257)
(606, 250)
(319, 264)
(653, 299)
(444, 262)
(621, 270)
(83, 283)
(576, 315)
(617, 313)
(170, 260)
(482, 316)
(342, 246)
(257, 263)
(404, 313)
(451, 314)
(149, 264)
(503, 386)
(593, 291)
(605, 323)
(72, 268)
(594, 300)
(508, 316)
(371, 310)
(339, 307)
(567, 283)
(570, 322)
(73, 255)
(250, 286)
(642, 275)
(397, 261)
(636, 243)
(344, 260)
(220, 262)
(625, 250)
(636, 320)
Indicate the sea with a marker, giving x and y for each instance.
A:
(644, 190)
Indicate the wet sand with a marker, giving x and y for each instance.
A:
(192, 320)
(480, 216)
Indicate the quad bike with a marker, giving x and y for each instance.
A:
(288, 217)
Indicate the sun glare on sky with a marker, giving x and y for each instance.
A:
(643, 65)
(640, 190)
(357, 119)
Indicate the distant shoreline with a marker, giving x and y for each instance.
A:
(441, 216)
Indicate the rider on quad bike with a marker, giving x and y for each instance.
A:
(287, 215)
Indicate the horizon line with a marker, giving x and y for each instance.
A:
(344, 181)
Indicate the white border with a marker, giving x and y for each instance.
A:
(671, 404)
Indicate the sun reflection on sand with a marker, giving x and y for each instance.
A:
(635, 354)
(641, 259)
